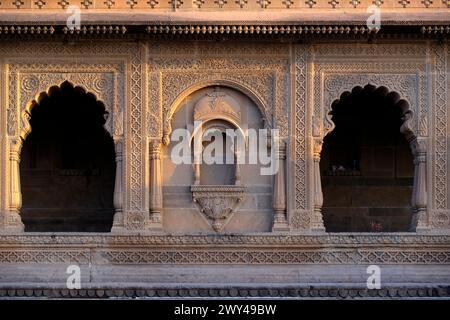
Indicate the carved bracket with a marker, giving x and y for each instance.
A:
(218, 203)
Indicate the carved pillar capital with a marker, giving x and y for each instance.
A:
(155, 149)
(419, 148)
(317, 149)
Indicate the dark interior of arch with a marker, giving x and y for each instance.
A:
(68, 165)
(367, 166)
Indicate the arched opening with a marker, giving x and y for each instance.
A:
(218, 165)
(367, 164)
(201, 197)
(67, 164)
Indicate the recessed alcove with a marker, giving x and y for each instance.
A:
(67, 164)
(367, 165)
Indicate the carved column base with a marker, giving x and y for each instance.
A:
(154, 223)
(118, 226)
(317, 222)
(280, 223)
(418, 221)
(11, 223)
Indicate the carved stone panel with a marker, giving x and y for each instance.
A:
(185, 70)
(336, 69)
(112, 72)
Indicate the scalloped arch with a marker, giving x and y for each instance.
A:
(26, 113)
(407, 113)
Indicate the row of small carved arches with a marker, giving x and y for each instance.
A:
(270, 292)
(263, 4)
(217, 29)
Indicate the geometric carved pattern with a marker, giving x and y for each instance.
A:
(440, 127)
(300, 217)
(300, 125)
(136, 174)
(277, 256)
(44, 256)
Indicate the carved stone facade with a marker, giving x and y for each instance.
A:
(147, 86)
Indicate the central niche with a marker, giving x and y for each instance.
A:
(224, 195)
(217, 186)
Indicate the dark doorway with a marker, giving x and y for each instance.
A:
(68, 164)
(367, 165)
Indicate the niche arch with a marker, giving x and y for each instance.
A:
(417, 147)
(115, 142)
(226, 83)
(214, 200)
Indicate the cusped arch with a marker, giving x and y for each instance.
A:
(403, 104)
(242, 88)
(26, 113)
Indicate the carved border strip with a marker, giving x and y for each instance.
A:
(299, 219)
(352, 240)
(224, 256)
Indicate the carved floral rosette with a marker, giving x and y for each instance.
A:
(217, 202)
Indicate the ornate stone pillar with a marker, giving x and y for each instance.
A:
(12, 221)
(316, 219)
(156, 199)
(279, 189)
(118, 224)
(419, 220)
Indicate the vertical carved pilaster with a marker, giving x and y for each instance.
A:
(419, 220)
(317, 220)
(197, 159)
(237, 174)
(118, 223)
(279, 189)
(156, 200)
(12, 221)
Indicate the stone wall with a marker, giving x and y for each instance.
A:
(293, 86)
